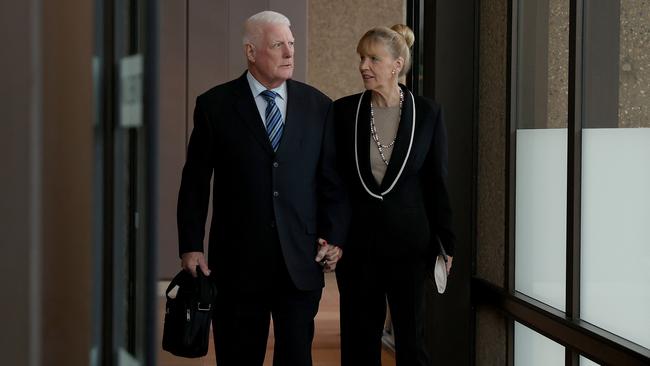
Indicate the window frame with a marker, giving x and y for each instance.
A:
(566, 328)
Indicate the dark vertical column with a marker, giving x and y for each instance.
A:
(511, 174)
(453, 30)
(415, 15)
(108, 137)
(574, 168)
(152, 129)
(19, 185)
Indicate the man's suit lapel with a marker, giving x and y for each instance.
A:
(292, 126)
(246, 107)
(402, 142)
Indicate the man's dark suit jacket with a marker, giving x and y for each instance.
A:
(414, 206)
(259, 196)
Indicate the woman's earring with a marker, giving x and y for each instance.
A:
(393, 71)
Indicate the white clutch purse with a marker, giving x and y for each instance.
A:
(440, 270)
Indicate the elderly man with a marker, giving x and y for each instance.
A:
(280, 213)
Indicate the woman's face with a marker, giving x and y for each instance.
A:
(378, 68)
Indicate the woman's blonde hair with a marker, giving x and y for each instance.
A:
(398, 39)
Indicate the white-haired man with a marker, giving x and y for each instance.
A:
(280, 213)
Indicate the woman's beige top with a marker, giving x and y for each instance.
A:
(386, 123)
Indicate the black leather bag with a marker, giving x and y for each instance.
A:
(188, 315)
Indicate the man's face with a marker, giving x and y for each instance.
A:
(271, 60)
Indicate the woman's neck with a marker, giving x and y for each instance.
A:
(387, 97)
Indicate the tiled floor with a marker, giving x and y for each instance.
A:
(326, 340)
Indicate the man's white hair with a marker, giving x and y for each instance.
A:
(253, 25)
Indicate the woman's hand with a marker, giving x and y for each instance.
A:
(448, 264)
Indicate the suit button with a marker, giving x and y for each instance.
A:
(272, 224)
(276, 194)
(275, 164)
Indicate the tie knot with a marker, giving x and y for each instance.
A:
(269, 95)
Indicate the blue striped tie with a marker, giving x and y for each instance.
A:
(274, 125)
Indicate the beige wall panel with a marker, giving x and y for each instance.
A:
(172, 129)
(67, 154)
(335, 27)
(492, 142)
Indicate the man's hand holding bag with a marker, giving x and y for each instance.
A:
(188, 314)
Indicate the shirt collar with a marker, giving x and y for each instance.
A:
(257, 87)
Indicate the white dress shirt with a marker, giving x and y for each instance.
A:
(281, 100)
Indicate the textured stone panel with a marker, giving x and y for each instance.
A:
(490, 337)
(492, 142)
(335, 27)
(558, 64)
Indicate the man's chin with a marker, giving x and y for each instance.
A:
(287, 73)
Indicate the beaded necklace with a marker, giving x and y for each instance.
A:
(373, 128)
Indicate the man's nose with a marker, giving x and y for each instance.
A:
(288, 51)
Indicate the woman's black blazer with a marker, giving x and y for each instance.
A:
(402, 216)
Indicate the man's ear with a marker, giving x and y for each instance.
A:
(250, 52)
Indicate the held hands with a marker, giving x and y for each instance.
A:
(190, 260)
(328, 255)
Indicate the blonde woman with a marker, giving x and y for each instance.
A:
(392, 150)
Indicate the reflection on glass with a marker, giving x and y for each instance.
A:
(541, 139)
(615, 248)
(634, 58)
(533, 349)
(543, 62)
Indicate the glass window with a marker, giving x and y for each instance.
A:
(541, 148)
(533, 349)
(584, 361)
(615, 245)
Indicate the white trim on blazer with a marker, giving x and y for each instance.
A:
(356, 153)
